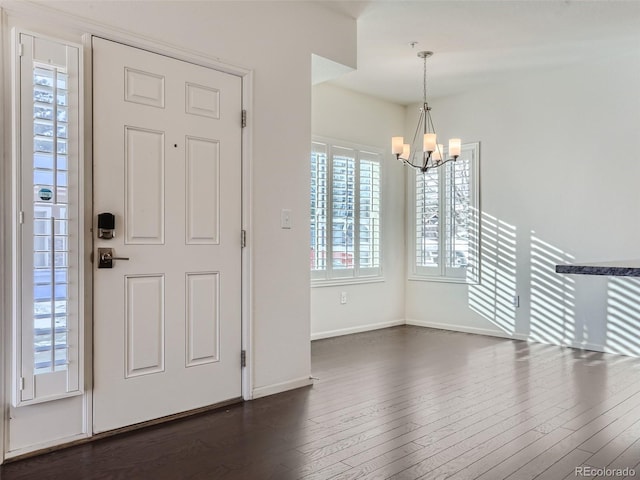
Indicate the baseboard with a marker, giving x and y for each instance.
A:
(592, 347)
(518, 336)
(46, 447)
(474, 330)
(465, 329)
(80, 439)
(358, 329)
(281, 387)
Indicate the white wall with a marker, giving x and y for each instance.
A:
(345, 115)
(275, 40)
(4, 200)
(559, 182)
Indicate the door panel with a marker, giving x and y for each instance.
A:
(144, 186)
(203, 188)
(203, 318)
(144, 324)
(167, 164)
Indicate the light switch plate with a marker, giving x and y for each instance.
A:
(285, 219)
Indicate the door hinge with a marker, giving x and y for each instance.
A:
(244, 118)
(243, 358)
(21, 217)
(21, 384)
(20, 49)
(243, 238)
(91, 257)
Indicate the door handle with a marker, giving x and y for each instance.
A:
(106, 258)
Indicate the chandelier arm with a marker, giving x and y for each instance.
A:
(408, 162)
(417, 132)
(430, 123)
(426, 156)
(426, 168)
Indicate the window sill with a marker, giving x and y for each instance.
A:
(345, 281)
(436, 279)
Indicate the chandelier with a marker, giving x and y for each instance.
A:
(424, 152)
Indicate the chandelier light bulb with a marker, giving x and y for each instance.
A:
(429, 142)
(455, 145)
(397, 145)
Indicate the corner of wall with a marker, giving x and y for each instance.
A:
(282, 387)
(3, 256)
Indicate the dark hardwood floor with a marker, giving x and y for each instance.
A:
(401, 403)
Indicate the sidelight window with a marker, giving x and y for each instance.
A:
(48, 295)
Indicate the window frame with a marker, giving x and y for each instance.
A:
(357, 275)
(442, 272)
(28, 387)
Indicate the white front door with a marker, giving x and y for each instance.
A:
(167, 165)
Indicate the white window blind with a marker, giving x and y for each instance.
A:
(345, 212)
(427, 218)
(319, 198)
(445, 220)
(48, 247)
(343, 197)
(369, 202)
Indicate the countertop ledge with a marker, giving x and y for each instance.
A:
(614, 268)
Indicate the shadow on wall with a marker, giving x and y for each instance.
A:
(493, 296)
(552, 316)
(623, 316)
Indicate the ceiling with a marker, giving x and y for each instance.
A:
(478, 42)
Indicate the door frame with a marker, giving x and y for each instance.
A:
(246, 76)
(5, 158)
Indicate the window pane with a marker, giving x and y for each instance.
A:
(43, 145)
(42, 292)
(458, 201)
(50, 223)
(62, 146)
(318, 207)
(43, 177)
(62, 178)
(43, 77)
(42, 111)
(369, 214)
(42, 94)
(43, 128)
(343, 189)
(62, 97)
(427, 219)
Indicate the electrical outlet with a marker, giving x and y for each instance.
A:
(516, 301)
(343, 298)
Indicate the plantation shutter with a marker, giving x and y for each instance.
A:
(49, 298)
